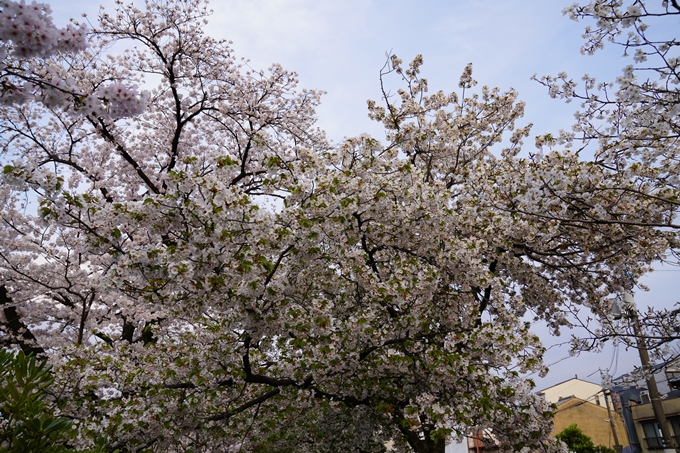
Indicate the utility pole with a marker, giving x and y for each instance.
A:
(617, 446)
(657, 405)
(607, 383)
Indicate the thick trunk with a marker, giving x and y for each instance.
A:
(15, 326)
(420, 443)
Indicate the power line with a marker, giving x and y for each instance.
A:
(554, 363)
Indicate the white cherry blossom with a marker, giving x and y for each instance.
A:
(382, 297)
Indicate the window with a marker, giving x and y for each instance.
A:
(675, 424)
(652, 434)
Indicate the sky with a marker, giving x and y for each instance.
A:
(339, 46)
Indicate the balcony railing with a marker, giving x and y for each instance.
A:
(654, 443)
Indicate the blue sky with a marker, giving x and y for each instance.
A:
(340, 45)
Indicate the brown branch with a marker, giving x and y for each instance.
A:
(257, 378)
(259, 400)
(106, 135)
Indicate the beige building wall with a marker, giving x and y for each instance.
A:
(592, 419)
(573, 387)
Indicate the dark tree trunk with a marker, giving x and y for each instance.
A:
(20, 332)
(422, 444)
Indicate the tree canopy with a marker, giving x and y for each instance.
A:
(205, 271)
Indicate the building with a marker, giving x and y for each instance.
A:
(592, 419)
(583, 403)
(575, 387)
(646, 427)
(634, 403)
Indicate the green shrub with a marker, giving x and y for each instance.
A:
(579, 442)
(26, 423)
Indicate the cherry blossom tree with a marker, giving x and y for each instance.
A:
(212, 274)
(631, 126)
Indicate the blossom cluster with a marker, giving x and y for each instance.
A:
(30, 29)
(117, 101)
(27, 32)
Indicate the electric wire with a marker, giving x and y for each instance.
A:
(551, 364)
